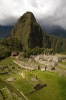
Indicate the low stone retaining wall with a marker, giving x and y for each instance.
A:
(26, 65)
(61, 65)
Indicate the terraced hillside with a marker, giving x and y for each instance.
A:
(61, 68)
(9, 92)
(23, 84)
(15, 82)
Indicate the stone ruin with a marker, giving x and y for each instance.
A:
(49, 61)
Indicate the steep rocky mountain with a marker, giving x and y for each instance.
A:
(55, 30)
(29, 32)
(28, 36)
(5, 31)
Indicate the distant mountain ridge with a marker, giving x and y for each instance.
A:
(29, 34)
(55, 30)
(5, 31)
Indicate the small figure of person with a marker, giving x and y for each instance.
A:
(36, 77)
(45, 68)
(38, 67)
(21, 71)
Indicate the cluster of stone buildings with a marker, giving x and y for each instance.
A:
(49, 61)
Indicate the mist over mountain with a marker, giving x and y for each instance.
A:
(55, 30)
(5, 31)
(52, 30)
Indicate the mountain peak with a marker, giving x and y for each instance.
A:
(28, 31)
(27, 15)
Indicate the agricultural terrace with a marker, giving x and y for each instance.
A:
(13, 86)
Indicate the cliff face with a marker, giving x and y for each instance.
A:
(28, 31)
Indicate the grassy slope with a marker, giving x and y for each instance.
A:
(7, 61)
(55, 89)
(22, 85)
(9, 92)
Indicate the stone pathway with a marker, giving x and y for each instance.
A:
(18, 62)
(22, 74)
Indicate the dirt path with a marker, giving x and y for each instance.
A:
(22, 74)
(18, 64)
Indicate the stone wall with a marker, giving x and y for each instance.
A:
(49, 60)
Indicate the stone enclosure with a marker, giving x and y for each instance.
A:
(49, 60)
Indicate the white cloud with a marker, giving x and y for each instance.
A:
(11, 10)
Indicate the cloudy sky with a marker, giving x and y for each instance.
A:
(47, 12)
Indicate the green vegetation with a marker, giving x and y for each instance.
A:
(34, 51)
(29, 32)
(27, 36)
(55, 89)
(63, 63)
(9, 92)
(8, 68)
(8, 45)
(58, 44)
(1, 84)
(7, 61)
(13, 44)
(4, 52)
(23, 85)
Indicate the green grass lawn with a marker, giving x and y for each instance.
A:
(29, 75)
(55, 89)
(4, 76)
(7, 61)
(1, 84)
(22, 84)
